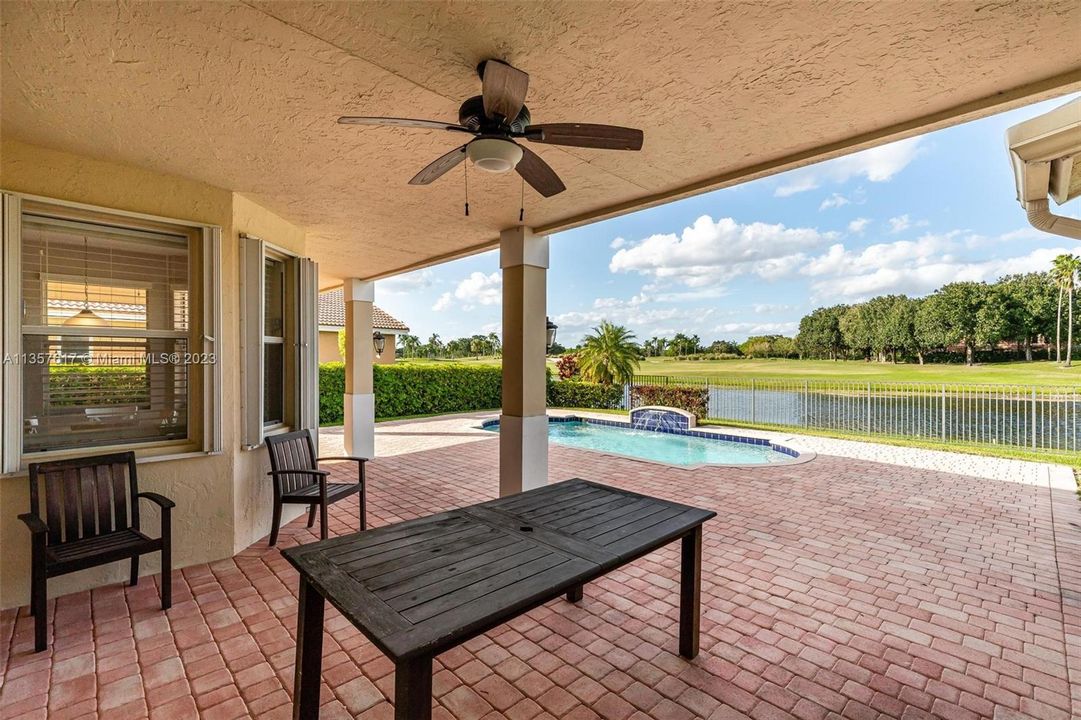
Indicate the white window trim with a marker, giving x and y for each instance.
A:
(11, 410)
(305, 409)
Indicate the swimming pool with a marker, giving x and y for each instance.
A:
(685, 448)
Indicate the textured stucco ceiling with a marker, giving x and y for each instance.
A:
(244, 96)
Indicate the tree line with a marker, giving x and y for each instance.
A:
(966, 316)
(410, 346)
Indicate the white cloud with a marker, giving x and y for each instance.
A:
(709, 253)
(617, 243)
(878, 164)
(797, 184)
(406, 283)
(477, 289)
(858, 225)
(900, 223)
(752, 328)
(643, 314)
(913, 267)
(835, 200)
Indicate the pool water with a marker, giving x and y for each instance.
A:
(660, 447)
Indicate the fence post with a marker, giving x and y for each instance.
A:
(943, 428)
(1033, 418)
(753, 413)
(806, 405)
(870, 428)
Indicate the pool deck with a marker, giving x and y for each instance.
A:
(402, 436)
(873, 582)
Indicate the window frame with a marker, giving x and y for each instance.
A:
(287, 340)
(300, 402)
(204, 288)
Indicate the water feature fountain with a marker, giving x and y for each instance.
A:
(661, 419)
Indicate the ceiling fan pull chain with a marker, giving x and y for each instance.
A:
(521, 205)
(465, 169)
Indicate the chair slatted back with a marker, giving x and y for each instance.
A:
(292, 451)
(86, 497)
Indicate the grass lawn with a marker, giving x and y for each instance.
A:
(1040, 372)
(1020, 373)
(458, 361)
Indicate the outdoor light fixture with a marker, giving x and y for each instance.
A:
(494, 155)
(380, 343)
(550, 332)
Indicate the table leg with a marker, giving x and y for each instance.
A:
(690, 593)
(575, 594)
(413, 689)
(309, 663)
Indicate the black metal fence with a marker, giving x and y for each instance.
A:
(1032, 417)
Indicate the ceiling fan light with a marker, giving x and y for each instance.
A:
(494, 155)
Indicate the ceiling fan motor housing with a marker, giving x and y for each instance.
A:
(471, 115)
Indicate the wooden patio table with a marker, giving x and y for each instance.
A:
(424, 586)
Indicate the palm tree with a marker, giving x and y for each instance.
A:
(609, 355)
(1064, 274)
(410, 345)
(435, 345)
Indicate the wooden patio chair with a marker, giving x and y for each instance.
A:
(91, 519)
(298, 480)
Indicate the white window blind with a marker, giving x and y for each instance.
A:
(106, 346)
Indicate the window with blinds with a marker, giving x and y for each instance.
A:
(105, 332)
(274, 356)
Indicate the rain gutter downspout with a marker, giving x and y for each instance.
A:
(1040, 217)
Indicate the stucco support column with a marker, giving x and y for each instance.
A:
(359, 356)
(523, 426)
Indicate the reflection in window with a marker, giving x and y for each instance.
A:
(274, 371)
(105, 334)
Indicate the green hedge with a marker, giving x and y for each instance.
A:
(577, 394)
(72, 385)
(414, 390)
(427, 390)
(433, 389)
(331, 393)
(685, 397)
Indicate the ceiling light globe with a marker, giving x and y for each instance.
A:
(493, 154)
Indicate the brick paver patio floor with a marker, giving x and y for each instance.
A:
(838, 588)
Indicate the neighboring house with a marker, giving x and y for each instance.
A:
(332, 320)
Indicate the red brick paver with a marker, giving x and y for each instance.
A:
(835, 589)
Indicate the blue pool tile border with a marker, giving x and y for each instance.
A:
(487, 424)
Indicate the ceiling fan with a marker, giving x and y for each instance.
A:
(495, 118)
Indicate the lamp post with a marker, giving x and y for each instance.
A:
(379, 341)
(550, 332)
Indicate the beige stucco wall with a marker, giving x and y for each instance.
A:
(222, 500)
(387, 357)
(253, 494)
(328, 348)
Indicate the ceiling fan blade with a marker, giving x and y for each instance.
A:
(439, 167)
(607, 137)
(538, 174)
(504, 89)
(402, 122)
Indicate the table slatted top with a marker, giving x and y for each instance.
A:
(423, 586)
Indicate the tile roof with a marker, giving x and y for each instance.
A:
(332, 313)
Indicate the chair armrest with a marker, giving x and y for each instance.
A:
(164, 502)
(344, 457)
(37, 527)
(318, 473)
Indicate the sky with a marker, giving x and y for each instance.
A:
(906, 217)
